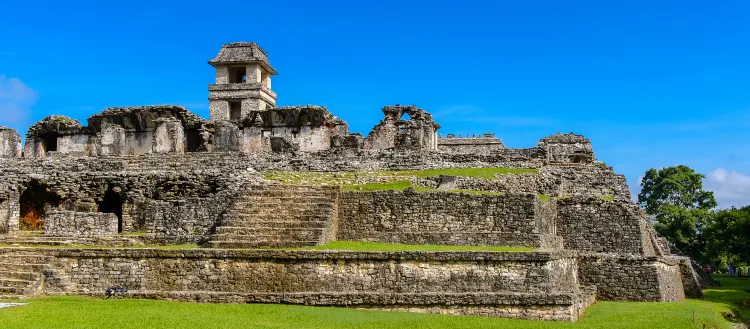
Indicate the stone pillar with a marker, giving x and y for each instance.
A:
(14, 211)
(227, 137)
(222, 75)
(219, 109)
(34, 148)
(253, 73)
(111, 141)
(252, 104)
(10, 143)
(169, 136)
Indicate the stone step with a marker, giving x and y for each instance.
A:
(12, 291)
(270, 235)
(277, 224)
(234, 244)
(271, 203)
(291, 198)
(23, 267)
(290, 191)
(253, 218)
(17, 283)
(21, 275)
(281, 211)
(39, 242)
(22, 259)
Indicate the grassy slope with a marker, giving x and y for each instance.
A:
(77, 312)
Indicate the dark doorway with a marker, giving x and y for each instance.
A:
(112, 204)
(235, 110)
(50, 143)
(34, 202)
(192, 143)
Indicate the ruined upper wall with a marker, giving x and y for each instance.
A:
(143, 118)
(10, 143)
(419, 131)
(484, 144)
(567, 148)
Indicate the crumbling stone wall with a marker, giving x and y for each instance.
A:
(556, 180)
(484, 144)
(441, 218)
(632, 277)
(10, 143)
(595, 225)
(80, 224)
(305, 128)
(393, 132)
(567, 148)
(312, 271)
(184, 221)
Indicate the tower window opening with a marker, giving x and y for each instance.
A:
(237, 75)
(235, 110)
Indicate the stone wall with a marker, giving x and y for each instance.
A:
(80, 224)
(479, 145)
(442, 218)
(556, 180)
(595, 225)
(632, 278)
(184, 221)
(10, 143)
(567, 148)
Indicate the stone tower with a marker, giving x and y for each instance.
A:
(243, 82)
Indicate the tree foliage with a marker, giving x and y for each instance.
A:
(728, 237)
(675, 200)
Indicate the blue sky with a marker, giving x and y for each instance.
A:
(652, 83)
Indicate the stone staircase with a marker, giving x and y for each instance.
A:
(279, 216)
(21, 273)
(36, 239)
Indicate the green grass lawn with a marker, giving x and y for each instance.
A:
(79, 312)
(378, 246)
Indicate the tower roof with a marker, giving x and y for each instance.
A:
(242, 52)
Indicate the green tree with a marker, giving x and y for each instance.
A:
(728, 237)
(675, 200)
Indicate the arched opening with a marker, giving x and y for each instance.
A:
(405, 116)
(112, 204)
(34, 203)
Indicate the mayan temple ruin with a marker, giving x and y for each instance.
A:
(257, 187)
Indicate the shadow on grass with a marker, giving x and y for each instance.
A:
(733, 293)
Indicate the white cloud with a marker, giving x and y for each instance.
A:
(16, 100)
(730, 188)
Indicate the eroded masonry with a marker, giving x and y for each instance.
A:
(257, 176)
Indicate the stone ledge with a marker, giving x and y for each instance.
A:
(554, 307)
(301, 254)
(353, 298)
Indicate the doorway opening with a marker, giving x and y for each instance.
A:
(112, 204)
(34, 203)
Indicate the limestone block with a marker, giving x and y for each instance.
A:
(10, 143)
(169, 136)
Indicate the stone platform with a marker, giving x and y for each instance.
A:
(539, 285)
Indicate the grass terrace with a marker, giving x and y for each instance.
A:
(391, 180)
(379, 246)
(731, 300)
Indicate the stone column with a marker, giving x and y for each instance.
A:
(253, 73)
(111, 141)
(169, 136)
(10, 143)
(227, 137)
